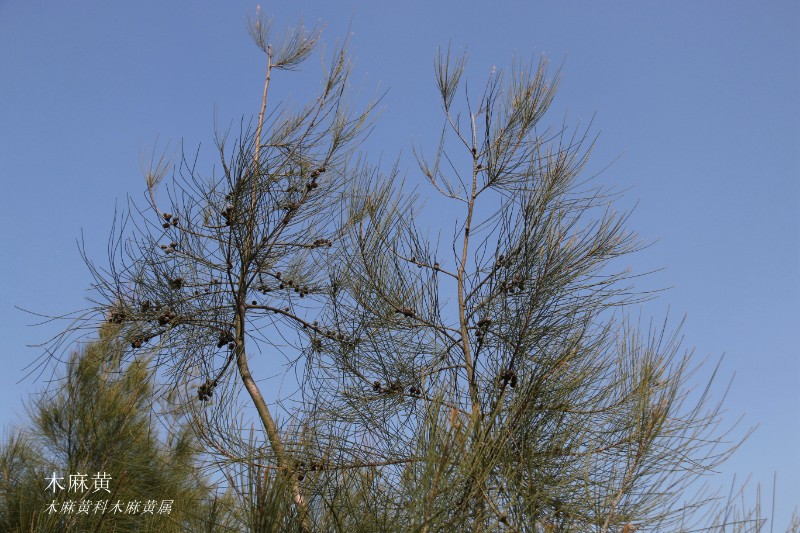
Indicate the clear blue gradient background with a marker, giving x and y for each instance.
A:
(696, 101)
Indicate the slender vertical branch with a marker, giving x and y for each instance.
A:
(460, 275)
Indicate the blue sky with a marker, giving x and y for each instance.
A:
(695, 102)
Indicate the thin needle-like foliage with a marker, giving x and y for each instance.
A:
(492, 382)
(100, 422)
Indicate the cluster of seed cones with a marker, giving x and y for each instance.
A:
(169, 220)
(206, 390)
(510, 377)
(405, 311)
(226, 337)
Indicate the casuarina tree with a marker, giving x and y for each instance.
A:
(94, 458)
(490, 382)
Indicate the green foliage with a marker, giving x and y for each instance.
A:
(102, 418)
(494, 382)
